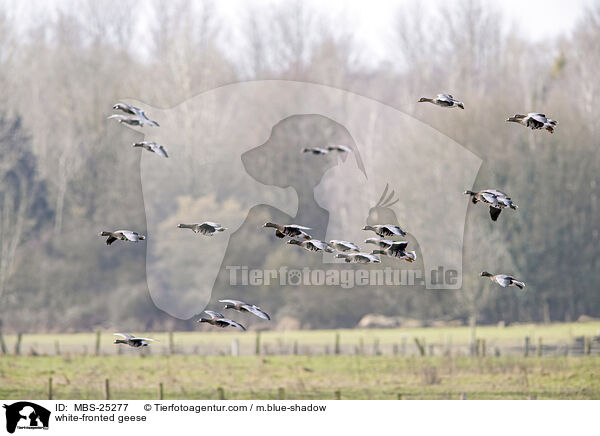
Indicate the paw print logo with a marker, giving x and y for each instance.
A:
(294, 277)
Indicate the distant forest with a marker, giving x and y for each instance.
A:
(69, 173)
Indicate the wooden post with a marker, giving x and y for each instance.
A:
(395, 349)
(18, 344)
(235, 347)
(477, 347)
(337, 343)
(463, 396)
(539, 347)
(361, 346)
(420, 346)
(403, 352)
(106, 389)
(376, 350)
(50, 388)
(295, 351)
(3, 344)
(281, 393)
(57, 348)
(171, 343)
(97, 347)
(483, 348)
(257, 345)
(400, 397)
(587, 345)
(526, 347)
(337, 395)
(161, 392)
(220, 393)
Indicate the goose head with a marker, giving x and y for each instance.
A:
(515, 119)
(461, 105)
(485, 274)
(424, 99)
(270, 225)
(368, 228)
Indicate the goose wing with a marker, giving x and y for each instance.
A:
(297, 227)
(495, 212)
(398, 246)
(161, 151)
(234, 302)
(144, 339)
(213, 314)
(255, 310)
(208, 228)
(124, 335)
(233, 323)
(129, 235)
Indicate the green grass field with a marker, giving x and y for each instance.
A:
(313, 374)
(302, 377)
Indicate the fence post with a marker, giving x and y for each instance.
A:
(420, 346)
(235, 347)
(171, 342)
(539, 347)
(361, 346)
(395, 349)
(106, 389)
(2, 343)
(337, 343)
(18, 344)
(587, 345)
(337, 395)
(97, 346)
(50, 388)
(220, 393)
(57, 348)
(281, 393)
(161, 392)
(376, 350)
(483, 348)
(463, 396)
(295, 351)
(526, 348)
(257, 345)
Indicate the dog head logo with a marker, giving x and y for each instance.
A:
(26, 415)
(240, 146)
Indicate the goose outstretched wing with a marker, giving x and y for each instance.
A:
(255, 310)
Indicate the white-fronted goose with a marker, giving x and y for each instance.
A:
(151, 146)
(291, 230)
(132, 341)
(217, 319)
(497, 201)
(358, 257)
(384, 230)
(409, 256)
(312, 245)
(132, 110)
(206, 228)
(343, 246)
(132, 120)
(240, 306)
(534, 121)
(503, 280)
(387, 243)
(123, 235)
(443, 100)
(340, 148)
(315, 150)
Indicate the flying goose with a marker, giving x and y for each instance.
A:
(206, 228)
(312, 245)
(340, 148)
(219, 320)
(504, 280)
(132, 110)
(123, 235)
(387, 244)
(534, 121)
(409, 256)
(315, 150)
(291, 230)
(127, 119)
(443, 100)
(132, 341)
(497, 200)
(151, 146)
(358, 257)
(343, 246)
(384, 230)
(240, 306)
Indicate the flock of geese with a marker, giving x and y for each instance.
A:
(386, 243)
